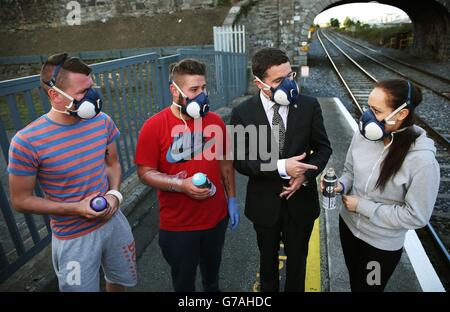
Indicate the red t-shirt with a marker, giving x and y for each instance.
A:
(165, 144)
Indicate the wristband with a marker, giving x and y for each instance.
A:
(116, 194)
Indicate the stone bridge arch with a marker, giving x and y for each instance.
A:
(285, 23)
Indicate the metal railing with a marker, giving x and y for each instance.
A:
(101, 55)
(229, 39)
(227, 74)
(133, 89)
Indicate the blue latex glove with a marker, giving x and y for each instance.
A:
(233, 211)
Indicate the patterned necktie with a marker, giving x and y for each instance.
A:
(278, 121)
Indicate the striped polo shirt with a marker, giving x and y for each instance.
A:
(69, 162)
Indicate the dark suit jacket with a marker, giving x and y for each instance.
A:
(305, 133)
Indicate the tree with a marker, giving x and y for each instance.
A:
(334, 22)
(348, 22)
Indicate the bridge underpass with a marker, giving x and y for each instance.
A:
(286, 23)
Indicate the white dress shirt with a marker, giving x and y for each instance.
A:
(283, 111)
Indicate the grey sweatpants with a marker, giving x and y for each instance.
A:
(77, 261)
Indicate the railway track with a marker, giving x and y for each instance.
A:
(359, 72)
(438, 84)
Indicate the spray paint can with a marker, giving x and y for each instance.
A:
(98, 203)
(200, 180)
(329, 194)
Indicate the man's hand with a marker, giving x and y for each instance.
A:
(113, 206)
(87, 212)
(350, 202)
(294, 185)
(188, 188)
(295, 168)
(233, 211)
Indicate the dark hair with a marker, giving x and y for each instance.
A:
(265, 58)
(69, 64)
(186, 67)
(397, 94)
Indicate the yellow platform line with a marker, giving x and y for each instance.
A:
(312, 283)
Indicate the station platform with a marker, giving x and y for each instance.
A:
(326, 270)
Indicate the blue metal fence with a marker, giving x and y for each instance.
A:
(226, 74)
(133, 89)
(100, 55)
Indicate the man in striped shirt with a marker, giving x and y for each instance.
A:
(70, 151)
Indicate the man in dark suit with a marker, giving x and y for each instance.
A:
(282, 203)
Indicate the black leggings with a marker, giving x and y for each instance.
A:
(369, 268)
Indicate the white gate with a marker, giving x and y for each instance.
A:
(229, 39)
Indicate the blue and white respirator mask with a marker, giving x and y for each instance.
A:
(196, 107)
(373, 129)
(286, 93)
(86, 108)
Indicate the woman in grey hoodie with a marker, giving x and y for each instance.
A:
(390, 184)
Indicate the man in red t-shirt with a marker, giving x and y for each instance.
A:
(174, 145)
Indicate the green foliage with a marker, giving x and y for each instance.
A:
(378, 35)
(351, 25)
(348, 22)
(334, 22)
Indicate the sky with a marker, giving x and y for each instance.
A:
(361, 11)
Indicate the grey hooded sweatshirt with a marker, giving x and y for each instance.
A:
(382, 218)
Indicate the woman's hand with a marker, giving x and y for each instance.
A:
(338, 188)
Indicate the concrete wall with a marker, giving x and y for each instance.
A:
(275, 24)
(54, 13)
(280, 23)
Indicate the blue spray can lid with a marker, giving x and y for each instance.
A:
(199, 179)
(99, 203)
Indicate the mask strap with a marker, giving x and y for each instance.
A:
(64, 94)
(390, 122)
(52, 82)
(392, 136)
(179, 90)
(267, 87)
(181, 116)
(406, 104)
(61, 112)
(400, 130)
(390, 143)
